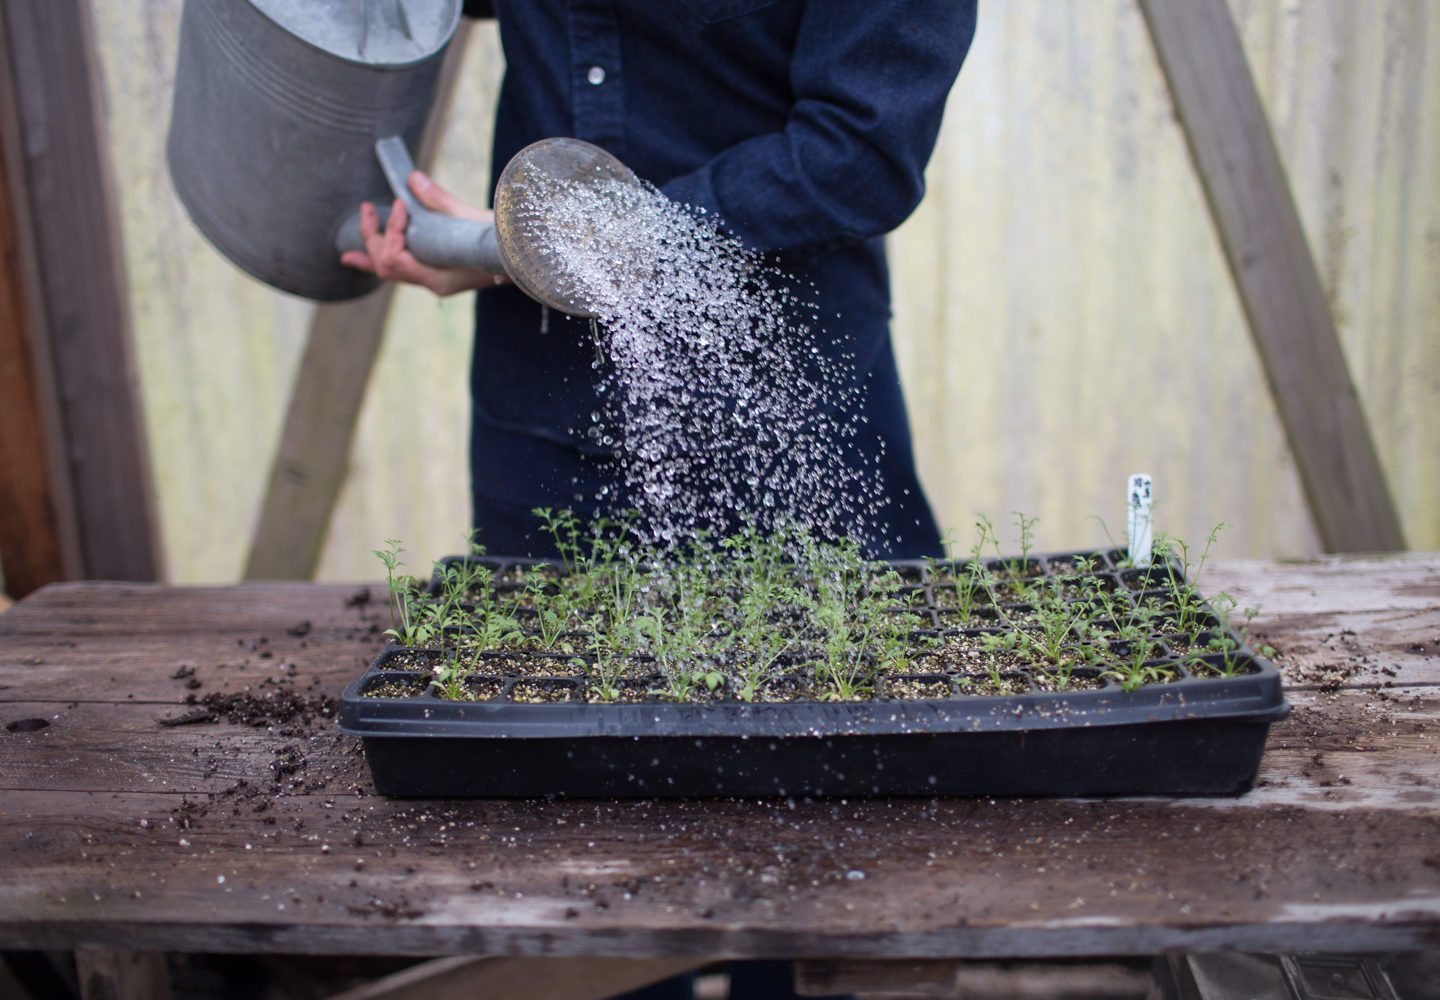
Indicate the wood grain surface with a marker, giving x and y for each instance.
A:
(1289, 316)
(226, 836)
(83, 322)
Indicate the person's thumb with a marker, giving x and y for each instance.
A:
(437, 199)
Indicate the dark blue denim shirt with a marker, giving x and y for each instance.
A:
(805, 125)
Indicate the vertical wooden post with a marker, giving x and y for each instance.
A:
(1250, 201)
(547, 978)
(122, 975)
(314, 451)
(80, 315)
(35, 536)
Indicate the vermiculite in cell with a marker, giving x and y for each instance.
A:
(719, 399)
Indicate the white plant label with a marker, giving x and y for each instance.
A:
(1138, 527)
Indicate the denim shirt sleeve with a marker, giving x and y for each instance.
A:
(869, 81)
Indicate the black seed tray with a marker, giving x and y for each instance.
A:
(1190, 736)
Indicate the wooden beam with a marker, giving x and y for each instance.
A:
(32, 549)
(1250, 201)
(522, 978)
(314, 451)
(122, 975)
(85, 335)
(969, 978)
(10, 986)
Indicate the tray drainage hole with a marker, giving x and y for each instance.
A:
(27, 725)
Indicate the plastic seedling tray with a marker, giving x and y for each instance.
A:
(532, 730)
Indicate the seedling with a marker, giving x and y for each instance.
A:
(1015, 569)
(721, 619)
(450, 675)
(1227, 652)
(401, 590)
(1135, 669)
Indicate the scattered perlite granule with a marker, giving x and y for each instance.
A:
(718, 401)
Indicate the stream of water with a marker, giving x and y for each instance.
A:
(718, 399)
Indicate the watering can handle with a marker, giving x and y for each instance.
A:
(397, 165)
(434, 239)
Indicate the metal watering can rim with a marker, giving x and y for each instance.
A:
(324, 38)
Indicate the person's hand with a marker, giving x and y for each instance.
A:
(386, 256)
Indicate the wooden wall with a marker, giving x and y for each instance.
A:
(1063, 311)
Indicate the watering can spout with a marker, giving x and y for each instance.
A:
(520, 243)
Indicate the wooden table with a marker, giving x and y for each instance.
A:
(119, 831)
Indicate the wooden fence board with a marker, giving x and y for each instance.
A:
(32, 552)
(1289, 316)
(86, 331)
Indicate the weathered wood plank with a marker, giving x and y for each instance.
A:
(957, 980)
(1368, 649)
(144, 611)
(125, 748)
(868, 879)
(1372, 624)
(33, 535)
(120, 642)
(106, 974)
(1336, 623)
(144, 676)
(314, 449)
(86, 333)
(116, 831)
(1342, 622)
(1329, 585)
(521, 978)
(1353, 749)
(1409, 582)
(1289, 316)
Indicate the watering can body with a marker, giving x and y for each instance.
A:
(278, 106)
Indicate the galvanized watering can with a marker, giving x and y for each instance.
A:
(289, 113)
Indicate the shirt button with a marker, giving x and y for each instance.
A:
(596, 76)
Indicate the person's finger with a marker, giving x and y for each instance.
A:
(369, 221)
(386, 256)
(432, 195)
(358, 259)
(438, 199)
(395, 228)
(371, 236)
(404, 266)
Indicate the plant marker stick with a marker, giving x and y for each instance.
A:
(1138, 529)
